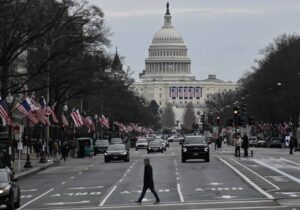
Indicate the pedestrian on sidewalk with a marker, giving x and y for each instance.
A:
(238, 142)
(148, 182)
(64, 151)
(245, 145)
(55, 151)
(38, 148)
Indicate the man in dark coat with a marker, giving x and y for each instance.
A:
(148, 182)
(245, 145)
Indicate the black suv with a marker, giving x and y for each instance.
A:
(9, 189)
(117, 152)
(194, 147)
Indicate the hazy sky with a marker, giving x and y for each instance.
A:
(223, 36)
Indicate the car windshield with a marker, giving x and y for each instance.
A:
(116, 147)
(155, 143)
(195, 140)
(3, 177)
(102, 142)
(141, 141)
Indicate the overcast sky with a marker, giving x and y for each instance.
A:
(223, 36)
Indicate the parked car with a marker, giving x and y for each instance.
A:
(141, 144)
(101, 146)
(10, 194)
(116, 141)
(117, 152)
(194, 147)
(155, 146)
(275, 142)
(252, 141)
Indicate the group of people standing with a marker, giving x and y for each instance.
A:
(239, 143)
(54, 149)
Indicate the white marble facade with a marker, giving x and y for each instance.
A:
(167, 76)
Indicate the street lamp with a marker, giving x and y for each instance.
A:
(9, 100)
(96, 119)
(65, 108)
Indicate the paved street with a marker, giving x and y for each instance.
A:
(225, 182)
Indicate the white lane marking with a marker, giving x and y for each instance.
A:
(65, 203)
(63, 183)
(31, 201)
(72, 177)
(215, 183)
(189, 204)
(85, 188)
(30, 190)
(277, 188)
(107, 196)
(269, 196)
(180, 193)
(26, 196)
(278, 171)
(79, 172)
(290, 161)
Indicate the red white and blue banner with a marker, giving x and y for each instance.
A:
(198, 92)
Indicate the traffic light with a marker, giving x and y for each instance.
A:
(218, 120)
(236, 115)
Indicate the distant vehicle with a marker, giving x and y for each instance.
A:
(84, 147)
(10, 193)
(166, 142)
(149, 139)
(261, 143)
(164, 145)
(252, 141)
(155, 146)
(117, 152)
(194, 147)
(116, 141)
(141, 144)
(275, 142)
(101, 146)
(175, 138)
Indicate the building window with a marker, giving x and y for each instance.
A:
(160, 103)
(141, 89)
(160, 95)
(159, 88)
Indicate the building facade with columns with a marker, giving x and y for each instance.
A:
(167, 76)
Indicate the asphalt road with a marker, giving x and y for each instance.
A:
(269, 180)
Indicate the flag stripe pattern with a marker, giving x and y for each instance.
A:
(4, 112)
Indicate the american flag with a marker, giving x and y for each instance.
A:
(180, 92)
(191, 92)
(76, 117)
(38, 111)
(64, 120)
(25, 109)
(104, 121)
(198, 92)
(174, 92)
(52, 113)
(4, 112)
(185, 92)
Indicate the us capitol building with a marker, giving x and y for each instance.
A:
(167, 76)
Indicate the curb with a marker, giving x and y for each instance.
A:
(33, 171)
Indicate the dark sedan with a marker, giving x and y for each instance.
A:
(117, 152)
(155, 146)
(9, 190)
(101, 146)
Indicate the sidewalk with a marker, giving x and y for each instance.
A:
(21, 172)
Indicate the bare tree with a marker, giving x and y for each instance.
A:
(168, 116)
(189, 117)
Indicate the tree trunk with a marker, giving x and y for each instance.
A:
(4, 80)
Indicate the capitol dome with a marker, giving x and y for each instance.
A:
(168, 55)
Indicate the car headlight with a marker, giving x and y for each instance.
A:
(160, 148)
(206, 149)
(105, 153)
(5, 190)
(184, 149)
(123, 153)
